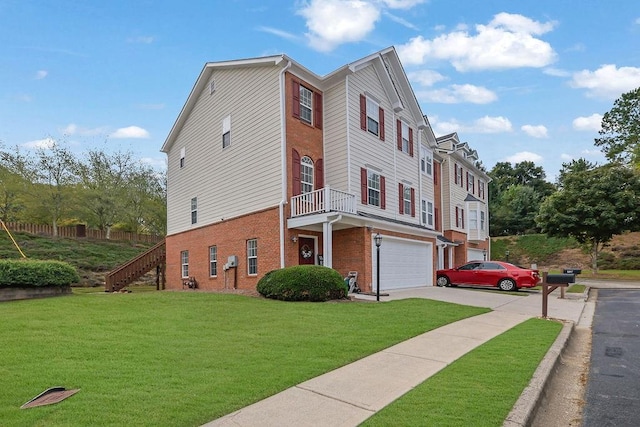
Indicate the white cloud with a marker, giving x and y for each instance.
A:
(590, 123)
(426, 77)
(556, 72)
(41, 74)
(488, 124)
(538, 131)
(485, 124)
(524, 156)
(608, 81)
(401, 21)
(506, 42)
(334, 22)
(133, 132)
(279, 33)
(455, 94)
(73, 129)
(402, 4)
(567, 157)
(40, 144)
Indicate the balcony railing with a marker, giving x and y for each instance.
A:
(323, 200)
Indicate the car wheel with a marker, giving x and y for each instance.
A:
(443, 281)
(507, 285)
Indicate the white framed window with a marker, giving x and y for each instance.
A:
(182, 155)
(473, 219)
(373, 115)
(459, 217)
(481, 189)
(252, 257)
(406, 199)
(482, 220)
(426, 161)
(213, 261)
(426, 213)
(405, 137)
(184, 264)
(373, 188)
(459, 175)
(471, 183)
(306, 104)
(194, 210)
(226, 132)
(306, 175)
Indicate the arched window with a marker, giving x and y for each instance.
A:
(306, 175)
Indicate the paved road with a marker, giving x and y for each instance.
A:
(613, 389)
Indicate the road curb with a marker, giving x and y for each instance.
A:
(526, 406)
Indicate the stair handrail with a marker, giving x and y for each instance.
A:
(158, 248)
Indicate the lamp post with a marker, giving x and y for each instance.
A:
(378, 240)
(506, 255)
(484, 254)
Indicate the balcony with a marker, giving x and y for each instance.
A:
(323, 200)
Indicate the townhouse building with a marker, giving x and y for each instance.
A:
(271, 165)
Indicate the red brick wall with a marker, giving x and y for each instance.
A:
(230, 237)
(301, 136)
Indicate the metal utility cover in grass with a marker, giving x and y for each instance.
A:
(50, 396)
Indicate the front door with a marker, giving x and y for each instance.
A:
(306, 253)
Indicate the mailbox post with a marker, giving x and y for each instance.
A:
(549, 284)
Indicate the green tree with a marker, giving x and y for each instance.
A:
(620, 130)
(56, 174)
(104, 179)
(592, 205)
(515, 194)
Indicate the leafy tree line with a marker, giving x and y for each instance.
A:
(102, 190)
(588, 202)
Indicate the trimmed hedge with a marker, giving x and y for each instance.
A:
(303, 283)
(28, 273)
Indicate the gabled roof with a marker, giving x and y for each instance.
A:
(380, 61)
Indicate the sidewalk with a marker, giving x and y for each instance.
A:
(349, 395)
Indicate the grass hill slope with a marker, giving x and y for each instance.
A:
(92, 258)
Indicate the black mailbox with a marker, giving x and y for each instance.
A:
(558, 279)
(572, 270)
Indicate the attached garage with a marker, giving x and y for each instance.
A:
(404, 263)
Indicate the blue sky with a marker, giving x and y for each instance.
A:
(525, 80)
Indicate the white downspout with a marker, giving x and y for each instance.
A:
(327, 241)
(348, 124)
(283, 155)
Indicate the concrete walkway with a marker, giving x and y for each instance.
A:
(349, 395)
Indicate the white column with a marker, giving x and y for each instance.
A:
(327, 244)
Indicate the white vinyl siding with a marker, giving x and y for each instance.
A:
(366, 149)
(252, 96)
(335, 139)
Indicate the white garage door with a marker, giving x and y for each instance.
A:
(403, 264)
(475, 255)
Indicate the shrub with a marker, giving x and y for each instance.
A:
(25, 273)
(303, 283)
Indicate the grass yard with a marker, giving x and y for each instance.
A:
(480, 388)
(185, 358)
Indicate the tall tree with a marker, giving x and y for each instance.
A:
(592, 204)
(620, 130)
(56, 176)
(104, 178)
(515, 194)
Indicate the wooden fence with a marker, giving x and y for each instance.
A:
(81, 231)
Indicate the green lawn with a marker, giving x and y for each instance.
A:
(480, 388)
(184, 358)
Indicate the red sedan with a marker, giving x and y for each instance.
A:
(505, 276)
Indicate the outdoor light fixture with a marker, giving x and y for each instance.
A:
(484, 254)
(294, 238)
(378, 240)
(506, 255)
